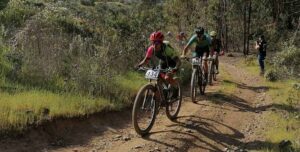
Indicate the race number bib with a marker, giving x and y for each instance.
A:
(196, 61)
(151, 74)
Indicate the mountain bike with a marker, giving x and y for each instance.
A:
(198, 78)
(212, 69)
(152, 96)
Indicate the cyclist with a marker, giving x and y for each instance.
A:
(215, 47)
(169, 34)
(181, 39)
(165, 53)
(203, 42)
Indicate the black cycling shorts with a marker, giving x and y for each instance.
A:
(199, 51)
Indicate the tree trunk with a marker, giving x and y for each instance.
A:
(249, 23)
(225, 27)
(245, 27)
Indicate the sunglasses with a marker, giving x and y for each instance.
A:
(157, 42)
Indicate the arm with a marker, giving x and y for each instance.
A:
(191, 41)
(147, 57)
(185, 50)
(144, 61)
(256, 45)
(178, 62)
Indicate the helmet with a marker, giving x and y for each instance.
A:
(169, 33)
(213, 33)
(156, 36)
(199, 30)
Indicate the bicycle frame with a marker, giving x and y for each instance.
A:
(198, 66)
(158, 83)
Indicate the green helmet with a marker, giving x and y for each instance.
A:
(213, 33)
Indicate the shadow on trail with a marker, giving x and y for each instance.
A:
(206, 134)
(231, 100)
(212, 138)
(188, 141)
(239, 104)
(258, 89)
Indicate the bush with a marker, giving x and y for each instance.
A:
(16, 13)
(288, 60)
(3, 4)
(250, 60)
(272, 75)
(5, 67)
(88, 2)
(185, 73)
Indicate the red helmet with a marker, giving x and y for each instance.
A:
(156, 36)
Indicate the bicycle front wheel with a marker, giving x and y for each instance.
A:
(144, 110)
(202, 82)
(194, 84)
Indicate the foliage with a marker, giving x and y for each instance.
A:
(272, 75)
(288, 60)
(16, 13)
(5, 66)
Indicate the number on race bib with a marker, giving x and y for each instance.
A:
(151, 74)
(196, 61)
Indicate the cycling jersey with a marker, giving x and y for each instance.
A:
(166, 54)
(216, 45)
(202, 46)
(204, 42)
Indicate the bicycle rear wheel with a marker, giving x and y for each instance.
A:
(210, 72)
(214, 72)
(174, 102)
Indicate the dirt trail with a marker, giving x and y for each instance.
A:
(217, 122)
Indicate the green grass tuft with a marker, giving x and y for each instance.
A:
(227, 85)
(31, 107)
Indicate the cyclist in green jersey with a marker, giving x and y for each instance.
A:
(203, 42)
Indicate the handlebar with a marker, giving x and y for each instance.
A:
(203, 58)
(157, 69)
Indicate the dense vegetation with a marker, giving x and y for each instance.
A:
(79, 45)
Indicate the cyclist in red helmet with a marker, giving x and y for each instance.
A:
(163, 51)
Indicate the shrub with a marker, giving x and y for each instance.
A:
(250, 60)
(3, 4)
(185, 73)
(16, 13)
(272, 75)
(5, 67)
(288, 60)
(88, 2)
